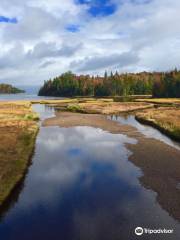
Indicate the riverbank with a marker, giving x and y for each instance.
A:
(148, 111)
(151, 112)
(158, 161)
(18, 130)
(165, 119)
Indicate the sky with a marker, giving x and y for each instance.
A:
(41, 39)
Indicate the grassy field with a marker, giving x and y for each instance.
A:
(18, 129)
(166, 119)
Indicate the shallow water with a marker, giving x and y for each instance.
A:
(148, 131)
(82, 186)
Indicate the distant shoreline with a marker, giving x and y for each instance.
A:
(9, 89)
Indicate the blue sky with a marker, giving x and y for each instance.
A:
(4, 19)
(99, 8)
(72, 28)
(40, 39)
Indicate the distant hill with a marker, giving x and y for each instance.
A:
(9, 89)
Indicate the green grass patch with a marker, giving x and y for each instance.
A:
(74, 108)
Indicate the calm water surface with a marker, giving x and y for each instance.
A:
(24, 96)
(81, 186)
(148, 131)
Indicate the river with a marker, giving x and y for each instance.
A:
(81, 185)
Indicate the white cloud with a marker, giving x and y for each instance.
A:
(106, 61)
(140, 35)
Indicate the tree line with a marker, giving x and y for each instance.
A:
(159, 84)
(7, 88)
(168, 85)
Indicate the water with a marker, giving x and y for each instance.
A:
(148, 131)
(44, 111)
(81, 185)
(23, 96)
(30, 94)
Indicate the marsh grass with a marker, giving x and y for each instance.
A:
(167, 101)
(166, 119)
(18, 129)
(74, 108)
(96, 105)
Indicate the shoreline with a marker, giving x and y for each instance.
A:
(158, 161)
(155, 125)
(18, 184)
(141, 110)
(19, 129)
(164, 119)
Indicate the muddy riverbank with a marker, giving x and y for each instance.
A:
(158, 161)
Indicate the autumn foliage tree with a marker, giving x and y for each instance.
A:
(69, 84)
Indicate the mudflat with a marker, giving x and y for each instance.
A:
(69, 119)
(159, 162)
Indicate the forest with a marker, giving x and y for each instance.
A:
(9, 89)
(168, 85)
(158, 84)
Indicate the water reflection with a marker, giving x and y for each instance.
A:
(44, 111)
(82, 186)
(148, 131)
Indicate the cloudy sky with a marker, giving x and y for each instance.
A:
(40, 39)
